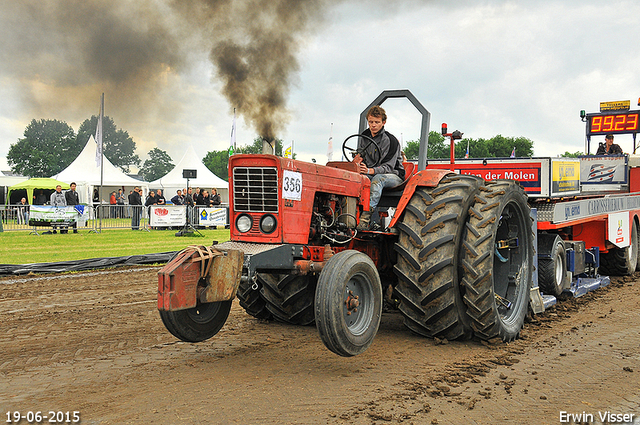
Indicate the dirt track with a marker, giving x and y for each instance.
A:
(94, 343)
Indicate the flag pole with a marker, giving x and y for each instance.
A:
(101, 142)
(101, 145)
(330, 144)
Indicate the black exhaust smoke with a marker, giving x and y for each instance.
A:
(135, 52)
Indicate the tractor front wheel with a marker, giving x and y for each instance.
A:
(348, 303)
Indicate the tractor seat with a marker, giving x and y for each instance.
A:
(391, 195)
(409, 170)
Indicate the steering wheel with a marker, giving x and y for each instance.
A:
(376, 155)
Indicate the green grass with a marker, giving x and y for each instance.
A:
(19, 247)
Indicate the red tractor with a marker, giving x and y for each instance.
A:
(456, 257)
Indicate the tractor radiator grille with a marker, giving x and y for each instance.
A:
(255, 189)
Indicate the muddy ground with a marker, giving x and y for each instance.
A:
(94, 343)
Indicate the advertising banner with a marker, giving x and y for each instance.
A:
(49, 214)
(532, 174)
(618, 229)
(167, 216)
(212, 216)
(603, 173)
(565, 177)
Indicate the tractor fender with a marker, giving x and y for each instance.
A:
(424, 178)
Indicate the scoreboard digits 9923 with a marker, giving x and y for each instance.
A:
(615, 123)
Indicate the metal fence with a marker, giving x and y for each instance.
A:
(96, 218)
(133, 217)
(14, 217)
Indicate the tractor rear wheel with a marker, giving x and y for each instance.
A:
(288, 298)
(198, 323)
(428, 266)
(348, 303)
(498, 260)
(621, 261)
(252, 302)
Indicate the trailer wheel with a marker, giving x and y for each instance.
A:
(552, 268)
(348, 303)
(198, 323)
(252, 302)
(621, 261)
(288, 298)
(428, 266)
(498, 260)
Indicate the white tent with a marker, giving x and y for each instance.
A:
(205, 179)
(86, 174)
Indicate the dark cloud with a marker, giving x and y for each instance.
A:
(66, 52)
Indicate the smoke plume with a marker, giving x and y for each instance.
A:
(66, 52)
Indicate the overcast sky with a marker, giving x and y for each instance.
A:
(522, 68)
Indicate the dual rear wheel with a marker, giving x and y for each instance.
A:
(465, 255)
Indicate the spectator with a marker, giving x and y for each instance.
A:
(129, 202)
(71, 196)
(23, 211)
(57, 200)
(197, 196)
(188, 201)
(120, 204)
(215, 198)
(203, 199)
(178, 199)
(135, 200)
(113, 205)
(160, 198)
(40, 198)
(188, 198)
(151, 199)
(96, 201)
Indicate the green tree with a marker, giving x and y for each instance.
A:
(48, 147)
(218, 163)
(119, 147)
(158, 164)
(496, 147)
(256, 147)
(435, 149)
(568, 154)
(477, 148)
(501, 147)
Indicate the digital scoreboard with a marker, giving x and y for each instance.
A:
(615, 123)
(613, 118)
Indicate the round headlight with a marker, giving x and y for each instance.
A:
(243, 223)
(268, 224)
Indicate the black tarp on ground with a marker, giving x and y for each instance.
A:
(90, 264)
